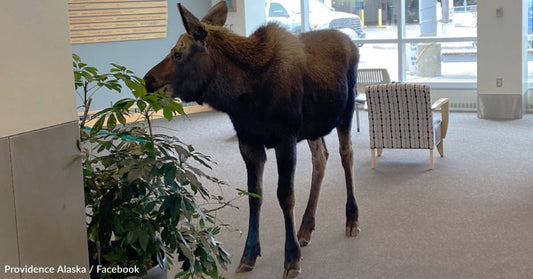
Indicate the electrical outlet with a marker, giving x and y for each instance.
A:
(499, 12)
(499, 82)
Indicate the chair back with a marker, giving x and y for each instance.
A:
(371, 76)
(400, 116)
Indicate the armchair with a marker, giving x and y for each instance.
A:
(400, 115)
(367, 77)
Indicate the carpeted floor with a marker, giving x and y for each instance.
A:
(471, 217)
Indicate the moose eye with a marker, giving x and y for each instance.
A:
(177, 55)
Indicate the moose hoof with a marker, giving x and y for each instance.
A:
(292, 272)
(304, 238)
(352, 229)
(244, 268)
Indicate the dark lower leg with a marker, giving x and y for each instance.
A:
(252, 248)
(286, 162)
(254, 158)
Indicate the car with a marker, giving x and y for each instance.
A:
(287, 13)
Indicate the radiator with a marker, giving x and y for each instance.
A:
(460, 100)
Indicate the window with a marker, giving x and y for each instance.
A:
(277, 10)
(529, 19)
(430, 41)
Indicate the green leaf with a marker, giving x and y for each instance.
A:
(92, 70)
(120, 117)
(124, 104)
(117, 67)
(170, 175)
(101, 112)
(143, 240)
(167, 113)
(76, 57)
(98, 125)
(242, 192)
(178, 107)
(111, 122)
(137, 89)
(141, 104)
(86, 75)
(77, 76)
(114, 86)
(187, 251)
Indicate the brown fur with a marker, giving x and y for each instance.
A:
(277, 89)
(253, 52)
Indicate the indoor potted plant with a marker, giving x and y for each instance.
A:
(143, 190)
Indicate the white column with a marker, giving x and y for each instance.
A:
(502, 58)
(41, 188)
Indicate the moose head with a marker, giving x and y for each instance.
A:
(187, 69)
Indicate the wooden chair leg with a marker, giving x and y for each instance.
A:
(431, 159)
(380, 151)
(440, 148)
(372, 158)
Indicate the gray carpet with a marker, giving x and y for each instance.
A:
(471, 217)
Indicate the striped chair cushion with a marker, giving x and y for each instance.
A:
(400, 116)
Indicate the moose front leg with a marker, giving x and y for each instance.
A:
(286, 162)
(254, 157)
(319, 155)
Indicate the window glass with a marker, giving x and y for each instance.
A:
(379, 18)
(448, 29)
(441, 62)
(321, 16)
(380, 56)
(530, 41)
(277, 10)
(284, 12)
(446, 18)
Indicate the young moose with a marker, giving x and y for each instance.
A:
(277, 89)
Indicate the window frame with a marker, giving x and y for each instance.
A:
(401, 41)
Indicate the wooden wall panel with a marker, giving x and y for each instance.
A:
(94, 21)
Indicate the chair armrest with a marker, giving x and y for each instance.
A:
(444, 105)
(440, 103)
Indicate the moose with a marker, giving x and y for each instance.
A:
(277, 89)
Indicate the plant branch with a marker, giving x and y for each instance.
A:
(148, 121)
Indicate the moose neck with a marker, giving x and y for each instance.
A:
(239, 62)
(251, 52)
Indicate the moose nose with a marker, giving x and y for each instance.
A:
(149, 83)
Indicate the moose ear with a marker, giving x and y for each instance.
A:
(217, 14)
(192, 25)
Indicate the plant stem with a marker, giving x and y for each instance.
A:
(86, 105)
(147, 117)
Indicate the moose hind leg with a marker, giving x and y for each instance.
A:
(286, 162)
(254, 157)
(319, 155)
(346, 152)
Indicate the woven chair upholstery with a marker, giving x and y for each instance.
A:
(400, 116)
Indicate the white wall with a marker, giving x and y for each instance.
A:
(35, 66)
(41, 187)
(501, 46)
(255, 15)
(236, 21)
(249, 16)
